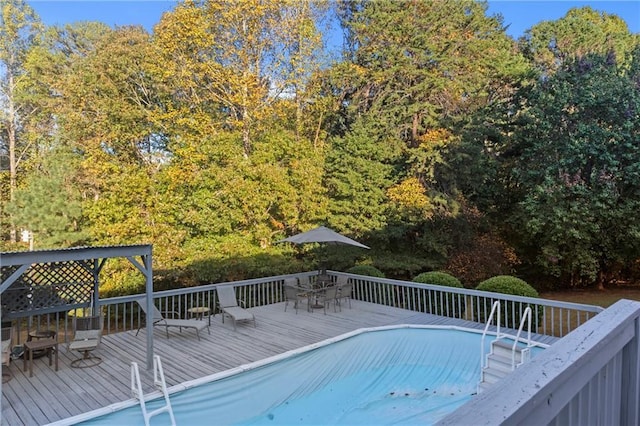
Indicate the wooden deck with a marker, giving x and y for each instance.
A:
(50, 396)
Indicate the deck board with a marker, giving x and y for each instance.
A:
(51, 396)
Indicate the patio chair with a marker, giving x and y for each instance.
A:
(293, 293)
(326, 297)
(7, 339)
(159, 320)
(86, 338)
(345, 289)
(229, 306)
(305, 282)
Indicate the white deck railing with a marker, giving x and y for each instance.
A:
(552, 318)
(591, 376)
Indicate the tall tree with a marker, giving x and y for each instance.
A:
(582, 31)
(236, 59)
(246, 155)
(574, 170)
(415, 71)
(49, 204)
(19, 28)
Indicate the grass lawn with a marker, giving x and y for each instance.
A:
(604, 298)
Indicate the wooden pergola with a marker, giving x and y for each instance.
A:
(48, 281)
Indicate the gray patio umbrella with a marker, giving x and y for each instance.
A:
(322, 234)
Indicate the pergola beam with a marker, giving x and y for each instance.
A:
(71, 254)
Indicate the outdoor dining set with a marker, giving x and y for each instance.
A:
(319, 292)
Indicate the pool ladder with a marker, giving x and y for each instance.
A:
(159, 382)
(504, 357)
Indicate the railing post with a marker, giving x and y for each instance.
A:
(630, 411)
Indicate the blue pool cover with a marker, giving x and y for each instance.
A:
(397, 376)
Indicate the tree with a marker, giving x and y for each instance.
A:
(359, 169)
(582, 31)
(414, 72)
(246, 156)
(234, 61)
(419, 63)
(49, 204)
(574, 170)
(19, 28)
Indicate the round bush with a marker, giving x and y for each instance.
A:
(439, 303)
(508, 285)
(511, 312)
(368, 270)
(438, 278)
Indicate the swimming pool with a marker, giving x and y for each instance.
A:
(394, 375)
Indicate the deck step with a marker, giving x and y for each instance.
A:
(499, 362)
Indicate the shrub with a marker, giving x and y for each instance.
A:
(368, 270)
(511, 312)
(438, 278)
(508, 285)
(439, 305)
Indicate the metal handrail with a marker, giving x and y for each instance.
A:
(495, 307)
(525, 316)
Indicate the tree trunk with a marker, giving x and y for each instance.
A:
(13, 156)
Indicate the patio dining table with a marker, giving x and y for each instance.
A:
(314, 291)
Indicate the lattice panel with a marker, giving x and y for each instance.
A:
(7, 271)
(46, 286)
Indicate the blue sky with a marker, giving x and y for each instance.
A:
(518, 14)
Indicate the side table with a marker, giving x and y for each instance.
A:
(199, 312)
(37, 335)
(41, 334)
(50, 346)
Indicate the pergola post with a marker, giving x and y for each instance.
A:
(149, 290)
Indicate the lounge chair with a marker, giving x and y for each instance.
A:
(7, 334)
(229, 306)
(159, 320)
(86, 338)
(293, 293)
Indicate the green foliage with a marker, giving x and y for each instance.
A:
(582, 31)
(574, 172)
(49, 204)
(511, 313)
(438, 278)
(401, 265)
(438, 304)
(508, 285)
(235, 257)
(120, 280)
(358, 172)
(367, 270)
(220, 132)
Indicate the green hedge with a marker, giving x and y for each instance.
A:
(438, 278)
(439, 304)
(511, 312)
(368, 270)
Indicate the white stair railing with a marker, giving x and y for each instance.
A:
(494, 309)
(526, 318)
(159, 382)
